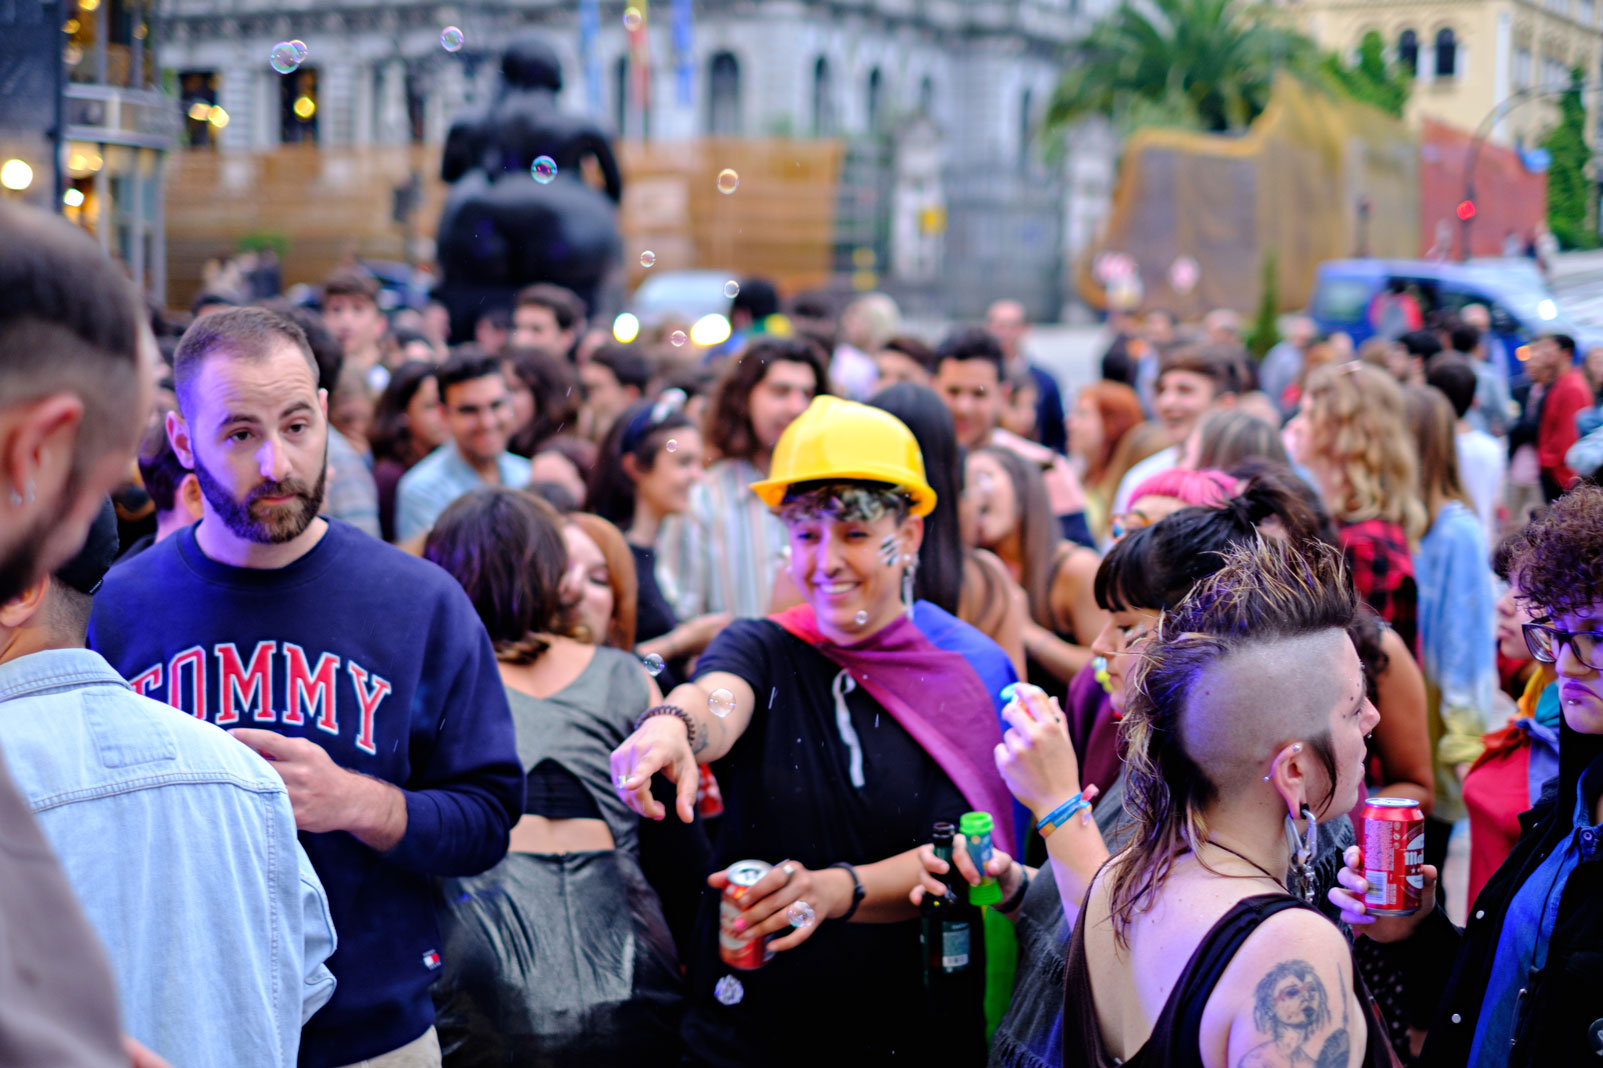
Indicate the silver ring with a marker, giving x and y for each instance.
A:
(789, 871)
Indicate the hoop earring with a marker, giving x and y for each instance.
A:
(1301, 876)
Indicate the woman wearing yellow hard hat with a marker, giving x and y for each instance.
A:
(840, 730)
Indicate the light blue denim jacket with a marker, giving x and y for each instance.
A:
(180, 842)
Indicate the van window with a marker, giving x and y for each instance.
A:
(1343, 300)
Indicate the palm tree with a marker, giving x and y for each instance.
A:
(1199, 63)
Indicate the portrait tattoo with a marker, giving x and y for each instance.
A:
(1290, 1006)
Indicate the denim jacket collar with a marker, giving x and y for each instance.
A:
(56, 669)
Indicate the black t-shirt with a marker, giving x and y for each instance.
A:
(654, 616)
(853, 993)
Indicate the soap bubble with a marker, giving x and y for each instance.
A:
(672, 445)
(451, 39)
(300, 50)
(285, 57)
(729, 990)
(544, 169)
(720, 703)
(677, 339)
(728, 181)
(632, 19)
(800, 914)
(653, 664)
(860, 618)
(731, 289)
(648, 258)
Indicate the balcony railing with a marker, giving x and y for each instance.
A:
(141, 118)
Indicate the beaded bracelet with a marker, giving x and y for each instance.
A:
(675, 711)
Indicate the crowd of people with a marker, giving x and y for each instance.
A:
(371, 701)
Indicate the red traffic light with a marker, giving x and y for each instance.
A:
(1466, 210)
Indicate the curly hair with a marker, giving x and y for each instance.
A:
(1267, 591)
(1357, 426)
(1557, 562)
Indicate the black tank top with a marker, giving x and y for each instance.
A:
(1174, 1042)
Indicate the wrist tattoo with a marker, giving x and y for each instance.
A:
(1291, 1008)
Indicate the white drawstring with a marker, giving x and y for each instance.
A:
(843, 685)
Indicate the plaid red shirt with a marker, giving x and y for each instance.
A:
(1383, 573)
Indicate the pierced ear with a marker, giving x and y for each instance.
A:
(1288, 778)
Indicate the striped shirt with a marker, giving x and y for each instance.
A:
(721, 554)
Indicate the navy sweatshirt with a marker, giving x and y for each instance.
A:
(380, 658)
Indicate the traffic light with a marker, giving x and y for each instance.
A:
(1466, 210)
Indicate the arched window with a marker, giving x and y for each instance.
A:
(1026, 127)
(723, 95)
(1408, 51)
(876, 100)
(1446, 53)
(823, 99)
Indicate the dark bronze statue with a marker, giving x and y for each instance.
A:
(501, 229)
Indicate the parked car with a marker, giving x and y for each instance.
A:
(1521, 305)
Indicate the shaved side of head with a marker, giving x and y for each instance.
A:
(1256, 699)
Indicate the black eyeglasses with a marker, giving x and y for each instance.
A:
(1544, 642)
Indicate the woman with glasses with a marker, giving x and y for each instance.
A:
(1523, 989)
(650, 461)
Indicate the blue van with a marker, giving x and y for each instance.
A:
(1513, 291)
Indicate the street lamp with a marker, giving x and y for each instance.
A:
(16, 175)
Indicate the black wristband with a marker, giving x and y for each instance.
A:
(857, 889)
(1012, 904)
(675, 711)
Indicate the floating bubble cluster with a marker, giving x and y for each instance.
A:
(544, 169)
(285, 57)
(677, 339)
(653, 664)
(728, 181)
(720, 703)
(451, 39)
(729, 990)
(648, 258)
(731, 289)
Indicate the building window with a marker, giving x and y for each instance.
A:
(417, 95)
(723, 95)
(1588, 12)
(876, 100)
(926, 97)
(1026, 127)
(823, 99)
(1408, 51)
(197, 96)
(1446, 53)
(297, 106)
(1522, 68)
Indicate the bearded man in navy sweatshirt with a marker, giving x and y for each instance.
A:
(362, 673)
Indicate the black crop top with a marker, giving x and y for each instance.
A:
(556, 793)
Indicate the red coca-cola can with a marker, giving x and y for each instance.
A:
(1394, 855)
(741, 951)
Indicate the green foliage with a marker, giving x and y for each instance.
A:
(1265, 329)
(1570, 195)
(261, 240)
(1371, 80)
(1198, 63)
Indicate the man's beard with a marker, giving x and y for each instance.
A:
(284, 523)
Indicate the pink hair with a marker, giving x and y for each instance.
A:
(1193, 487)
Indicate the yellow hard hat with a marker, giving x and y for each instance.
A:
(838, 439)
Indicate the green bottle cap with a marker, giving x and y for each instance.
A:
(975, 823)
(988, 892)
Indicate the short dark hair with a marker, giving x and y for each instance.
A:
(1465, 338)
(1455, 379)
(1565, 342)
(564, 303)
(70, 321)
(1220, 364)
(208, 298)
(160, 469)
(913, 349)
(466, 366)
(628, 364)
(505, 548)
(237, 333)
(757, 298)
(327, 352)
(1421, 343)
(727, 428)
(350, 284)
(971, 343)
